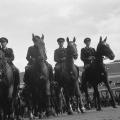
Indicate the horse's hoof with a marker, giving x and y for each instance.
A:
(70, 113)
(78, 111)
(50, 113)
(114, 106)
(88, 108)
(41, 116)
(98, 109)
(82, 110)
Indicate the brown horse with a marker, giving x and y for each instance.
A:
(96, 73)
(68, 76)
(40, 84)
(6, 88)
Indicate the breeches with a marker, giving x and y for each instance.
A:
(58, 67)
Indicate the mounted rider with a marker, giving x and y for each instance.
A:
(59, 55)
(32, 56)
(87, 56)
(9, 57)
(87, 53)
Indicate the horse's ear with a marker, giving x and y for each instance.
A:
(32, 35)
(67, 39)
(42, 37)
(100, 39)
(74, 39)
(105, 39)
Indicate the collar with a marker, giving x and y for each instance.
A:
(4, 48)
(87, 47)
(61, 48)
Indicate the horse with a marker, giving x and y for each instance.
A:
(95, 73)
(7, 89)
(68, 76)
(40, 83)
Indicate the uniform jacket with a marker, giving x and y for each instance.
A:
(9, 55)
(33, 52)
(86, 53)
(59, 54)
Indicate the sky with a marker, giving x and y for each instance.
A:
(58, 18)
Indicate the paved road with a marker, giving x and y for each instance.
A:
(105, 114)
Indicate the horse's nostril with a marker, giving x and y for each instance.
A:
(112, 56)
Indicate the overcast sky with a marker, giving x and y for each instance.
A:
(58, 18)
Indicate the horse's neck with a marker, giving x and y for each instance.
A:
(69, 63)
(40, 65)
(98, 58)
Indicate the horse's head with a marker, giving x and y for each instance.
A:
(39, 43)
(104, 49)
(38, 40)
(72, 48)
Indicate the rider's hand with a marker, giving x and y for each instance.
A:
(33, 59)
(91, 58)
(62, 59)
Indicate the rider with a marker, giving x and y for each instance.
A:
(9, 57)
(87, 56)
(32, 55)
(87, 53)
(59, 55)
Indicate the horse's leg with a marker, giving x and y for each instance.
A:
(68, 105)
(111, 94)
(58, 103)
(87, 98)
(49, 110)
(97, 97)
(79, 98)
(85, 89)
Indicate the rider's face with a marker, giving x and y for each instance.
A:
(4, 44)
(36, 42)
(61, 44)
(88, 43)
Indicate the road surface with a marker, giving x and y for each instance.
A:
(106, 114)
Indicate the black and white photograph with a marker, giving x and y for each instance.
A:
(59, 59)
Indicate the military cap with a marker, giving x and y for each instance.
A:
(3, 39)
(87, 40)
(60, 40)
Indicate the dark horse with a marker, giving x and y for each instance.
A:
(40, 84)
(96, 73)
(68, 76)
(7, 89)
